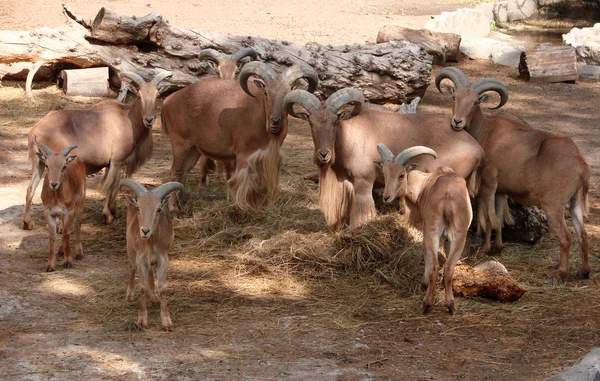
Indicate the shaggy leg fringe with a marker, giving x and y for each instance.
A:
(335, 198)
(255, 186)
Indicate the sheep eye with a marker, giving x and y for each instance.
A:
(158, 210)
(401, 177)
(65, 167)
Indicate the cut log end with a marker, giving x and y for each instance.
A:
(548, 63)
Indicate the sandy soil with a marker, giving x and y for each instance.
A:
(233, 325)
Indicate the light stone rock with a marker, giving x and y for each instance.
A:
(586, 42)
(588, 369)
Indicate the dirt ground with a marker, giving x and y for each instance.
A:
(241, 312)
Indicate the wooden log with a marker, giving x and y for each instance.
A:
(390, 72)
(470, 281)
(442, 46)
(92, 82)
(549, 63)
(112, 27)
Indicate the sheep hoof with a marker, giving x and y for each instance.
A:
(142, 322)
(68, 265)
(108, 219)
(452, 309)
(167, 325)
(79, 257)
(425, 308)
(27, 225)
(584, 273)
(50, 269)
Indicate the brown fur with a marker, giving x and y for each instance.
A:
(216, 119)
(109, 135)
(65, 203)
(335, 198)
(255, 186)
(531, 166)
(145, 255)
(443, 204)
(352, 143)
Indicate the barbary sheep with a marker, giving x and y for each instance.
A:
(63, 196)
(109, 135)
(149, 238)
(442, 199)
(346, 149)
(531, 166)
(224, 120)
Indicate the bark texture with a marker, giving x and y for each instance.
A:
(548, 63)
(442, 46)
(390, 72)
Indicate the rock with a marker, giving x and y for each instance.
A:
(588, 71)
(530, 224)
(586, 42)
(493, 266)
(502, 53)
(588, 369)
(469, 23)
(409, 108)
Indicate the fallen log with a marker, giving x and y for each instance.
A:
(471, 281)
(442, 46)
(390, 72)
(549, 63)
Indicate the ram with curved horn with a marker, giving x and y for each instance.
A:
(63, 196)
(226, 68)
(444, 209)
(245, 122)
(109, 135)
(531, 166)
(149, 239)
(346, 131)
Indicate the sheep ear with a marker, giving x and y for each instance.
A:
(165, 200)
(378, 164)
(260, 84)
(132, 200)
(41, 156)
(482, 98)
(302, 115)
(449, 89)
(71, 158)
(410, 167)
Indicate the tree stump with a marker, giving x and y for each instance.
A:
(442, 46)
(549, 63)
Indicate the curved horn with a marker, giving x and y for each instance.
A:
(385, 153)
(243, 53)
(404, 156)
(303, 98)
(455, 75)
(67, 150)
(305, 71)
(163, 190)
(345, 96)
(136, 187)
(491, 84)
(259, 69)
(135, 78)
(210, 55)
(158, 78)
